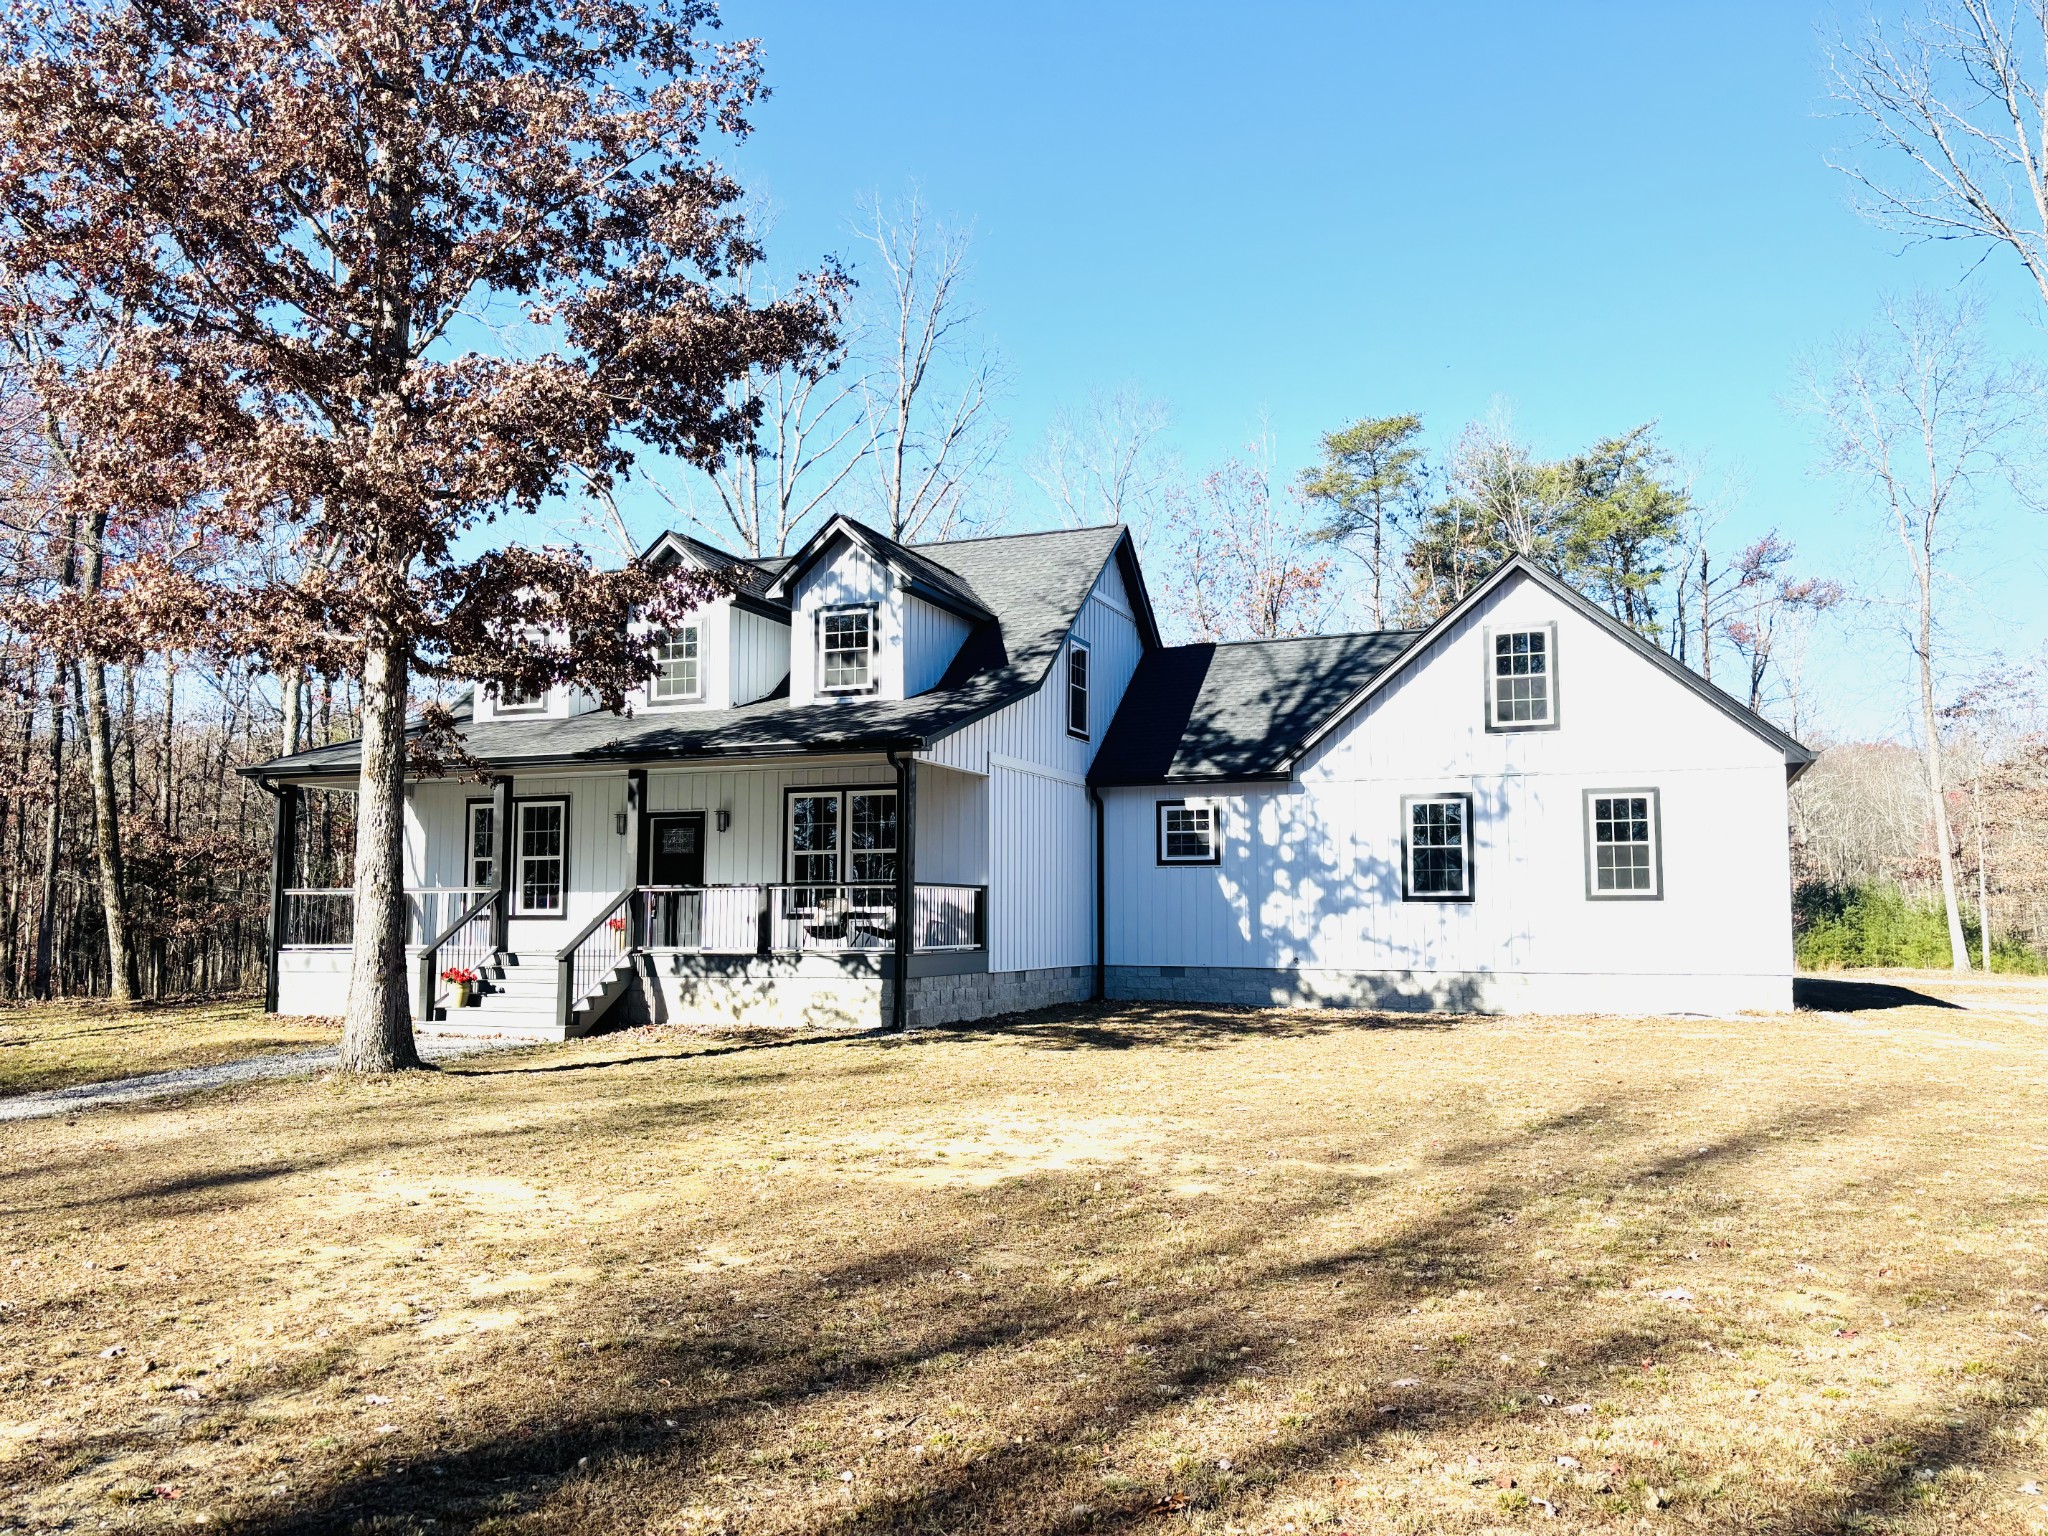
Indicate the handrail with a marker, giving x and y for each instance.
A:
(568, 993)
(425, 972)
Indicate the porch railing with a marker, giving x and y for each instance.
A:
(319, 918)
(586, 961)
(706, 919)
(431, 908)
(466, 943)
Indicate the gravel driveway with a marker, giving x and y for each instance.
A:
(156, 1085)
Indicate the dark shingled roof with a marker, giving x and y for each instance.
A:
(1035, 584)
(1221, 712)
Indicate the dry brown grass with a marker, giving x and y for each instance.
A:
(53, 1045)
(1133, 1269)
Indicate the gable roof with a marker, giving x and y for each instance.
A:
(918, 571)
(1238, 711)
(1034, 585)
(753, 577)
(1797, 755)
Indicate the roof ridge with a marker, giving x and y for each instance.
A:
(1022, 533)
(1335, 634)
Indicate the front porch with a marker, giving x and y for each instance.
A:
(795, 890)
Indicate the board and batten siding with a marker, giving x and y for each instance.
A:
(1034, 729)
(1310, 877)
(760, 655)
(932, 637)
(1041, 909)
(849, 575)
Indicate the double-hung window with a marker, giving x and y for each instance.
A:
(1521, 679)
(1436, 848)
(1624, 845)
(843, 836)
(677, 674)
(1077, 689)
(540, 852)
(481, 850)
(1189, 833)
(509, 701)
(846, 639)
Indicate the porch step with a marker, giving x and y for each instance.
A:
(517, 999)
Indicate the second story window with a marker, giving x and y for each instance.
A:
(1521, 681)
(676, 672)
(1077, 690)
(846, 638)
(509, 701)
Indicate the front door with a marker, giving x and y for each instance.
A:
(675, 857)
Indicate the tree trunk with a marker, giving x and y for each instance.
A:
(1983, 877)
(1937, 789)
(377, 1033)
(46, 918)
(130, 727)
(294, 683)
(106, 811)
(106, 816)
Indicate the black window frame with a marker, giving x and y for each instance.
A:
(1408, 891)
(1081, 691)
(843, 854)
(1548, 630)
(1167, 861)
(1592, 852)
(873, 614)
(513, 850)
(469, 854)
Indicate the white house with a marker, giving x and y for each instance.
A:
(982, 747)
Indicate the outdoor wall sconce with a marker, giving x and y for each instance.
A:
(619, 823)
(724, 819)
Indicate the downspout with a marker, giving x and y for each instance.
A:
(906, 886)
(1100, 992)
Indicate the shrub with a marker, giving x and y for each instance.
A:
(1838, 927)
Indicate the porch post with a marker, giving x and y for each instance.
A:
(906, 886)
(284, 842)
(636, 849)
(501, 861)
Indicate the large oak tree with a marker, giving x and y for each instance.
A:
(321, 216)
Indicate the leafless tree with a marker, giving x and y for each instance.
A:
(927, 397)
(1104, 464)
(1954, 104)
(1921, 420)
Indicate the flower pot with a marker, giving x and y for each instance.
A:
(461, 994)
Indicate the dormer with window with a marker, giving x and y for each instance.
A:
(871, 618)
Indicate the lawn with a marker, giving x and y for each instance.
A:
(54, 1045)
(1132, 1269)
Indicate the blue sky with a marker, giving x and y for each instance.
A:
(1598, 214)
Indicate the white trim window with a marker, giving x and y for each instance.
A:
(1521, 682)
(1624, 845)
(505, 702)
(1188, 832)
(540, 876)
(846, 644)
(678, 673)
(1436, 848)
(480, 859)
(1077, 688)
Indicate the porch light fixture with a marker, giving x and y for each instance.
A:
(724, 819)
(619, 823)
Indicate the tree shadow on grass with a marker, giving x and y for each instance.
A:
(1179, 1026)
(775, 1352)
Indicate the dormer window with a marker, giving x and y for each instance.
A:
(1521, 679)
(846, 642)
(677, 674)
(1077, 690)
(509, 701)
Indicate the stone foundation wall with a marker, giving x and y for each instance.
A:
(1452, 991)
(936, 1000)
